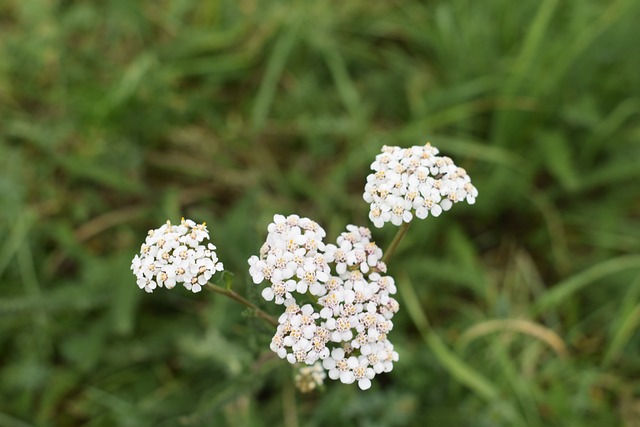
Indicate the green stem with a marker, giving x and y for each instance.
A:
(238, 298)
(289, 405)
(395, 242)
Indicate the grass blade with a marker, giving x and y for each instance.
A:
(523, 326)
(563, 290)
(275, 66)
(449, 360)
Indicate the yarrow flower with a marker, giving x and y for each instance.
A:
(308, 378)
(291, 259)
(337, 300)
(414, 181)
(175, 254)
(346, 325)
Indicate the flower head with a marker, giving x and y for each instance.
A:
(414, 181)
(347, 324)
(175, 254)
(293, 253)
(308, 378)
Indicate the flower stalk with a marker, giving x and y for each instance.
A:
(238, 298)
(393, 246)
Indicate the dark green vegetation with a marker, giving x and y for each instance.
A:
(117, 115)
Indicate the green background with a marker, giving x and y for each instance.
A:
(116, 115)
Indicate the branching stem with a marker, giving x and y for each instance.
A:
(238, 298)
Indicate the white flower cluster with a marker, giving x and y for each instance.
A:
(348, 316)
(414, 180)
(174, 254)
(308, 378)
(291, 259)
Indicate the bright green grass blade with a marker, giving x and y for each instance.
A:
(449, 360)
(275, 66)
(522, 390)
(132, 78)
(344, 83)
(12, 244)
(558, 157)
(623, 335)
(587, 36)
(607, 128)
(506, 121)
(560, 292)
(625, 323)
(555, 228)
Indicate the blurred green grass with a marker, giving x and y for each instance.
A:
(115, 116)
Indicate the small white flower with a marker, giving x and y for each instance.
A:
(341, 328)
(338, 366)
(362, 372)
(277, 345)
(279, 292)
